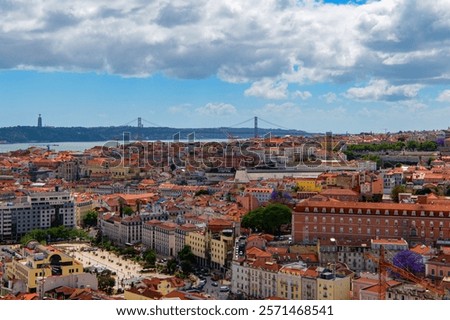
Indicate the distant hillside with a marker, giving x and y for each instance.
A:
(22, 134)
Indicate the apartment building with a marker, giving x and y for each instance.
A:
(197, 240)
(332, 286)
(289, 281)
(40, 210)
(263, 195)
(39, 262)
(160, 236)
(362, 221)
(181, 233)
(262, 277)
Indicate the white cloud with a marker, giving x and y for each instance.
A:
(381, 90)
(179, 109)
(280, 110)
(330, 97)
(217, 109)
(304, 95)
(401, 41)
(268, 89)
(444, 96)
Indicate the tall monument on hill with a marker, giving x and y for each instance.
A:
(39, 121)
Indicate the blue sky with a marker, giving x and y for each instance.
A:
(344, 66)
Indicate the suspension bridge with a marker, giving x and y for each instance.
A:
(232, 131)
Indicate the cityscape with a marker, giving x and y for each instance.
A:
(225, 151)
(320, 217)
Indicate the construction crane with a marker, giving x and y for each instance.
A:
(384, 265)
(230, 137)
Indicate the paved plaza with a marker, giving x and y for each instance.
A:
(126, 271)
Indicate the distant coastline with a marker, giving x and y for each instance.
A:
(29, 134)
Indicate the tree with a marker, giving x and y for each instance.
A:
(90, 219)
(268, 219)
(60, 233)
(186, 254)
(412, 145)
(106, 281)
(279, 196)
(395, 191)
(121, 205)
(201, 192)
(130, 252)
(410, 261)
(138, 205)
(253, 219)
(149, 258)
(127, 211)
(276, 215)
(172, 266)
(187, 259)
(428, 146)
(424, 191)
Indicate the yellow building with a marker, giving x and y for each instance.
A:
(330, 287)
(121, 172)
(309, 185)
(39, 262)
(82, 206)
(220, 247)
(329, 178)
(289, 282)
(197, 241)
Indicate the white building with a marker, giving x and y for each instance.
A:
(37, 211)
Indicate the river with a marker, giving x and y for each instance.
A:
(69, 146)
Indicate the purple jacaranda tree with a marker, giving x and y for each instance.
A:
(410, 261)
(279, 196)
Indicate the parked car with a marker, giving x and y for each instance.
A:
(214, 284)
(224, 289)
